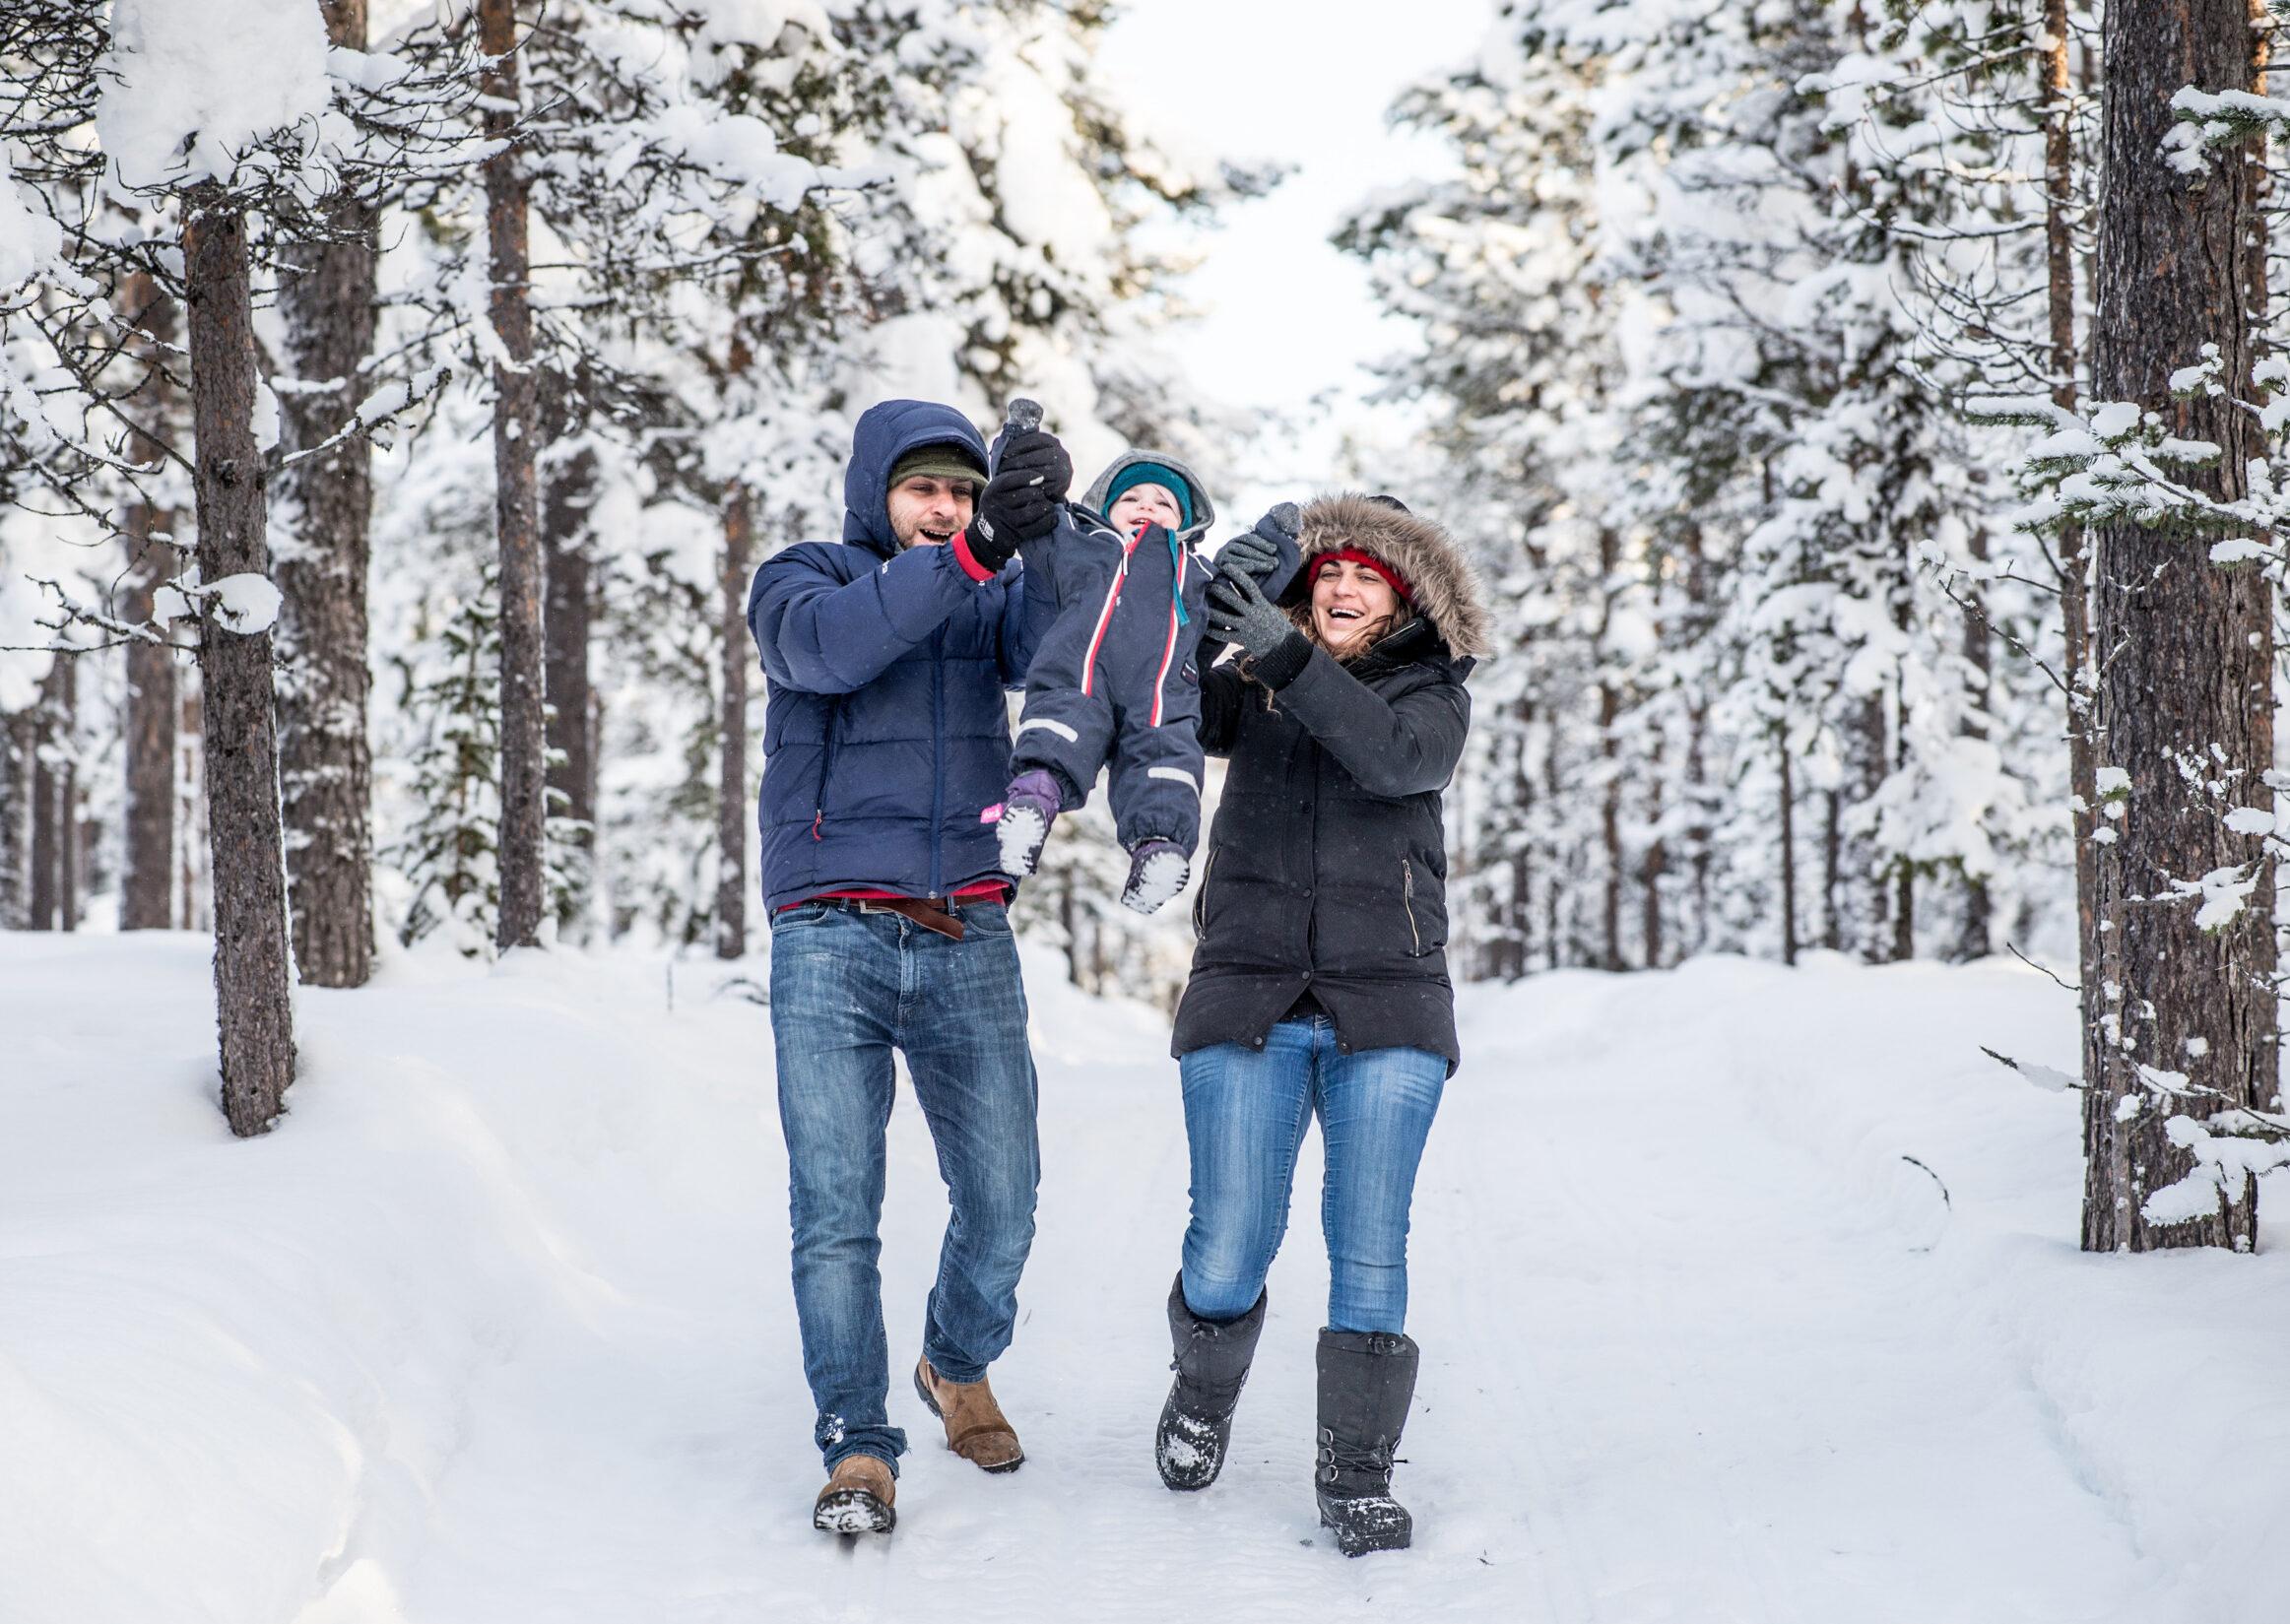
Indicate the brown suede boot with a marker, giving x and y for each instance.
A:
(857, 1498)
(976, 1429)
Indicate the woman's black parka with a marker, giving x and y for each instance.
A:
(1326, 865)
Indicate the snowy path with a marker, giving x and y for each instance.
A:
(496, 1327)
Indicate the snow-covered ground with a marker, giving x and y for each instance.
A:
(496, 1327)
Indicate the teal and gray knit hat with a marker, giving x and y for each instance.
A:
(1137, 473)
(1134, 468)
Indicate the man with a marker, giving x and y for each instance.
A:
(885, 741)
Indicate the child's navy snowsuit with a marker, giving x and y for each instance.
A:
(1115, 677)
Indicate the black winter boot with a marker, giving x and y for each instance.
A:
(1366, 1380)
(1212, 1362)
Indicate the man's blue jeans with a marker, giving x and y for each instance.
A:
(1245, 1115)
(846, 989)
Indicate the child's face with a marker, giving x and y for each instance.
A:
(1144, 504)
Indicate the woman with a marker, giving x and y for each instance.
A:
(1319, 983)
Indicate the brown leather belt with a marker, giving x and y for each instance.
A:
(931, 916)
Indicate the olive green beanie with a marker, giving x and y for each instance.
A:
(946, 460)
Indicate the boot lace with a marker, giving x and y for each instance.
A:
(1338, 1459)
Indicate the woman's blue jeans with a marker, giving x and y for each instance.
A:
(846, 989)
(1245, 1115)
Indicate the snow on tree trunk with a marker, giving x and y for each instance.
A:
(516, 524)
(733, 811)
(2184, 691)
(147, 882)
(326, 295)
(253, 1008)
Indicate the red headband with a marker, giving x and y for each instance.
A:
(1391, 577)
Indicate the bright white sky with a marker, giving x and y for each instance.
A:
(1287, 318)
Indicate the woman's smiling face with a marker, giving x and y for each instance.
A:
(1349, 601)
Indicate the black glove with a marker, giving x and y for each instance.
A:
(1020, 501)
(1238, 615)
(1257, 553)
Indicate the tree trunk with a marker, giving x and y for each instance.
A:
(1904, 914)
(1892, 708)
(2075, 563)
(524, 739)
(1610, 834)
(18, 746)
(568, 557)
(732, 807)
(1979, 655)
(1518, 914)
(195, 904)
(146, 884)
(2188, 676)
(1652, 865)
(1788, 857)
(1560, 864)
(65, 741)
(1610, 786)
(326, 767)
(1832, 870)
(45, 837)
(253, 1008)
(1697, 724)
(1863, 899)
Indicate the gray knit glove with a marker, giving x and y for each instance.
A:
(1239, 614)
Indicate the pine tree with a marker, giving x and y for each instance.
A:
(451, 855)
(2189, 673)
(326, 297)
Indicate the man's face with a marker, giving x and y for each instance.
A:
(928, 512)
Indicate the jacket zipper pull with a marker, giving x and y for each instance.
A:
(815, 821)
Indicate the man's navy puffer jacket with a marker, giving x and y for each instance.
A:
(885, 733)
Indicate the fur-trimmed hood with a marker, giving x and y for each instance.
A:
(1445, 587)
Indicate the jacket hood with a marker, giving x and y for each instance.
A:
(1446, 588)
(886, 431)
(1203, 511)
